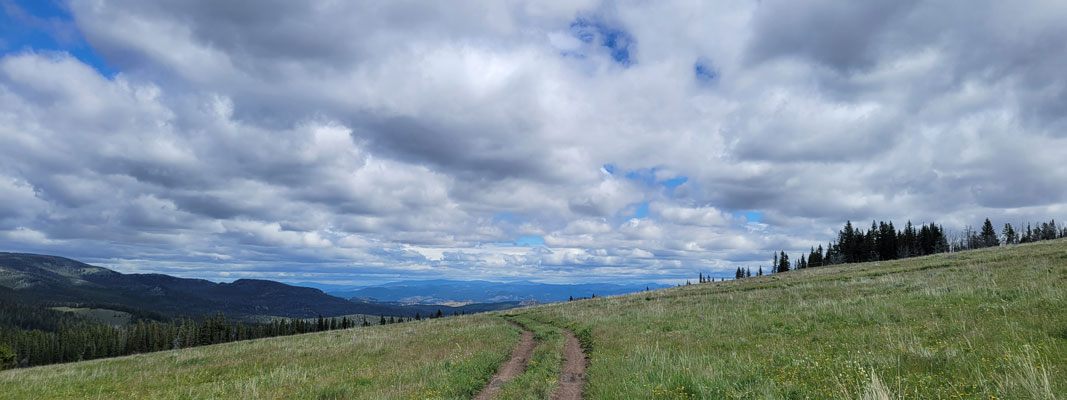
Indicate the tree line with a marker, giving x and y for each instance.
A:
(31, 336)
(883, 242)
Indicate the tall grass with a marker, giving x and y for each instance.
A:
(542, 373)
(980, 324)
(448, 358)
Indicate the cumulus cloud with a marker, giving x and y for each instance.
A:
(362, 142)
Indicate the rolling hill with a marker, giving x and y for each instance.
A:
(983, 324)
(51, 280)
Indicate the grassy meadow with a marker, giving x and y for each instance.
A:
(543, 369)
(985, 324)
(448, 358)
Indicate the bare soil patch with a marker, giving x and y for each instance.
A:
(572, 379)
(519, 357)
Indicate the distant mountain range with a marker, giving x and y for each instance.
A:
(51, 281)
(463, 292)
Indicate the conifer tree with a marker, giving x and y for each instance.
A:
(1049, 232)
(989, 235)
(1009, 234)
(783, 263)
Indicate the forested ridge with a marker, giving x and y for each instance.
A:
(34, 335)
(884, 242)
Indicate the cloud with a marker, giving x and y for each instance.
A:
(361, 142)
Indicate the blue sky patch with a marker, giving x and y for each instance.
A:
(674, 182)
(641, 210)
(618, 41)
(704, 71)
(45, 25)
(506, 216)
(750, 216)
(530, 240)
(648, 177)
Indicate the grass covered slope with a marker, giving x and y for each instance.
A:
(449, 358)
(975, 325)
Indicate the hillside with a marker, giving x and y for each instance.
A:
(52, 280)
(979, 324)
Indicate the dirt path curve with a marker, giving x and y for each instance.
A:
(572, 380)
(519, 357)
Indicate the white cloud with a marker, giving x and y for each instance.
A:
(374, 141)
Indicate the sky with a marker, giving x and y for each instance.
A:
(359, 142)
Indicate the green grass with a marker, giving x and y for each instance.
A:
(975, 325)
(541, 376)
(448, 358)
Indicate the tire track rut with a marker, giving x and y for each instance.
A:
(519, 357)
(572, 378)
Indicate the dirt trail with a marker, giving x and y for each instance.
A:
(572, 380)
(519, 357)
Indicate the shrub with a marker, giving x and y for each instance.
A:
(7, 357)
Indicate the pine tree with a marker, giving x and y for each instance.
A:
(1050, 231)
(760, 272)
(783, 263)
(846, 240)
(989, 235)
(748, 272)
(1009, 234)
